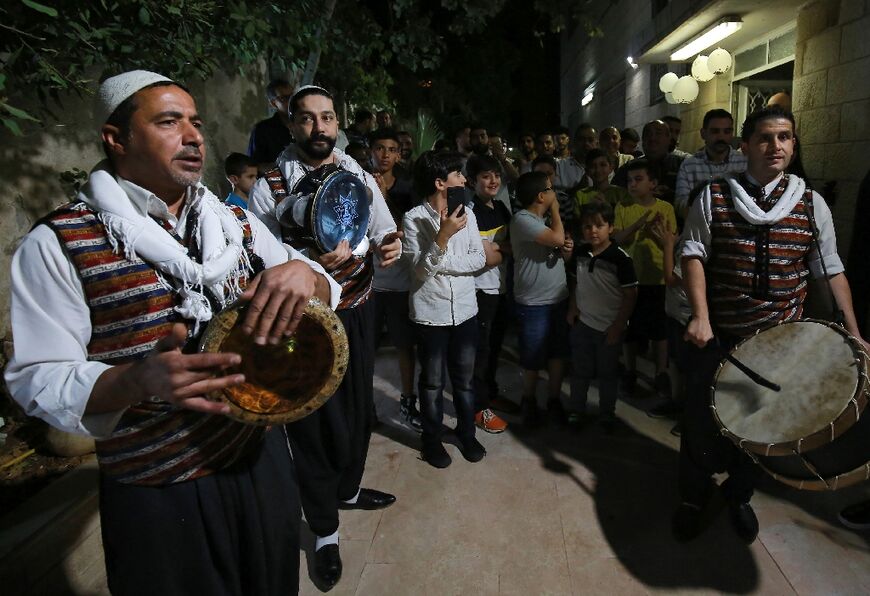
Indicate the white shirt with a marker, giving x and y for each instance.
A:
(442, 288)
(50, 375)
(569, 173)
(262, 203)
(697, 239)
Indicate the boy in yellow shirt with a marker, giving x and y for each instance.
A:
(633, 231)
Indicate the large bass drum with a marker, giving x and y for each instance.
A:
(813, 434)
(285, 382)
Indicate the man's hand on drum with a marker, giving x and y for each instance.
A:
(390, 248)
(278, 297)
(698, 332)
(184, 379)
(332, 260)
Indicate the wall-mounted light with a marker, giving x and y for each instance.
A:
(716, 33)
(587, 99)
(632, 63)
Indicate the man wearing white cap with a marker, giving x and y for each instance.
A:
(330, 446)
(106, 291)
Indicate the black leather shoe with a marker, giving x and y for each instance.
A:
(471, 449)
(744, 521)
(369, 499)
(686, 523)
(327, 567)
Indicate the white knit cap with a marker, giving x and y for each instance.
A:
(116, 89)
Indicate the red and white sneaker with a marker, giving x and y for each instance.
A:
(488, 421)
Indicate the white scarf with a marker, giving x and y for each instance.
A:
(751, 212)
(217, 232)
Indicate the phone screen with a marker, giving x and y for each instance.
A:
(455, 197)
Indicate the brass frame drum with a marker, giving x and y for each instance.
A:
(811, 434)
(284, 382)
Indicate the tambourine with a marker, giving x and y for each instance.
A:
(283, 382)
(338, 209)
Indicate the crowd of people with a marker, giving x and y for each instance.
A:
(594, 248)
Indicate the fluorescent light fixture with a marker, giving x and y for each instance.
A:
(587, 99)
(714, 34)
(631, 62)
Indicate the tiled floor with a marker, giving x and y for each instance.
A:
(553, 511)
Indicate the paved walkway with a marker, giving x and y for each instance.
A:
(551, 511)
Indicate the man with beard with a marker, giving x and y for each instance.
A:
(527, 152)
(562, 137)
(463, 144)
(406, 150)
(330, 446)
(675, 127)
(656, 138)
(107, 291)
(363, 124)
(716, 159)
(571, 170)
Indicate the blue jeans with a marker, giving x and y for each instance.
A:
(543, 334)
(454, 346)
(593, 358)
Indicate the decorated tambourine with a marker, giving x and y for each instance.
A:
(283, 382)
(338, 209)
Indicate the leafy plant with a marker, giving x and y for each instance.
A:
(426, 133)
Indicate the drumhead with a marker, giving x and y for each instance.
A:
(340, 211)
(817, 367)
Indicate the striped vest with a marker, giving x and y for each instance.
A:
(131, 310)
(756, 274)
(354, 275)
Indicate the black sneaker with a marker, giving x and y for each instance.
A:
(668, 409)
(410, 413)
(471, 449)
(744, 521)
(856, 517)
(434, 454)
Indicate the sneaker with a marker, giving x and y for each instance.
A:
(629, 384)
(503, 404)
(668, 409)
(410, 413)
(471, 449)
(435, 455)
(662, 385)
(556, 412)
(856, 517)
(488, 421)
(531, 415)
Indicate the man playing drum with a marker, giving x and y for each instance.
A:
(747, 248)
(330, 446)
(106, 291)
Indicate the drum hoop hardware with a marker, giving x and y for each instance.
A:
(814, 471)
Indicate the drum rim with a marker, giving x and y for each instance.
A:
(321, 314)
(849, 415)
(831, 483)
(316, 199)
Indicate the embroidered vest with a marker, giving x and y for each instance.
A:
(131, 310)
(354, 275)
(756, 274)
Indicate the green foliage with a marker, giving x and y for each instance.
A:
(425, 133)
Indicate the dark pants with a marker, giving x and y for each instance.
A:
(592, 358)
(330, 446)
(703, 449)
(491, 320)
(234, 532)
(455, 346)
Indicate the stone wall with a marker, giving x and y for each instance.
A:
(832, 101)
(30, 165)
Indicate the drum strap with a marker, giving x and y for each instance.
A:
(837, 313)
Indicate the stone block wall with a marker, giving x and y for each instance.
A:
(832, 101)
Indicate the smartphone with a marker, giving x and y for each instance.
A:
(455, 197)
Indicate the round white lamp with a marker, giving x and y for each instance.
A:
(686, 90)
(669, 97)
(667, 82)
(719, 61)
(700, 70)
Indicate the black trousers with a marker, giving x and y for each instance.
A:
(491, 321)
(330, 446)
(233, 533)
(703, 449)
